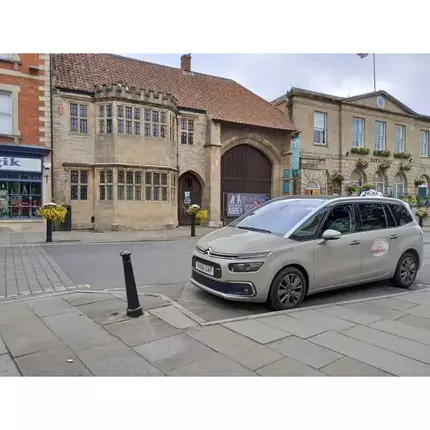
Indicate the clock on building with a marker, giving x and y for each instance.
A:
(380, 101)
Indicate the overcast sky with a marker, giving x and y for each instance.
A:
(406, 76)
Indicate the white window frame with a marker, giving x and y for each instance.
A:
(319, 129)
(424, 143)
(358, 135)
(7, 115)
(379, 186)
(400, 138)
(13, 90)
(397, 185)
(380, 138)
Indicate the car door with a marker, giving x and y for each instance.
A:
(379, 239)
(338, 262)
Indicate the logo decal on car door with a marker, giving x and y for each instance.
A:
(379, 247)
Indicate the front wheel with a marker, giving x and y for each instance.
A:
(288, 289)
(406, 271)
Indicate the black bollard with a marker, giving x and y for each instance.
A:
(193, 225)
(420, 222)
(49, 230)
(134, 309)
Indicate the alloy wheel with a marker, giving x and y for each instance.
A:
(408, 270)
(290, 290)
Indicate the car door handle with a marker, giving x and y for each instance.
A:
(393, 236)
(355, 242)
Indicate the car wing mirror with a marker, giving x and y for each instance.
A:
(331, 235)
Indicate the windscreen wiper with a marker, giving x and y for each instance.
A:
(261, 230)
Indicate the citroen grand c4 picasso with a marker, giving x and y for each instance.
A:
(290, 247)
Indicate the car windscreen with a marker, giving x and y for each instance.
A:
(277, 217)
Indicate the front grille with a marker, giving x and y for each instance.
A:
(216, 266)
(235, 288)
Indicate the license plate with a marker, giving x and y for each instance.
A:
(204, 268)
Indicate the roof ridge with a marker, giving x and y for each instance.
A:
(165, 66)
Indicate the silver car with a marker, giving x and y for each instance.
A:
(290, 247)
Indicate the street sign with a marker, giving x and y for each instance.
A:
(295, 157)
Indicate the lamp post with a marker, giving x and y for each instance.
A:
(374, 69)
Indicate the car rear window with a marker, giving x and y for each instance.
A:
(278, 216)
(401, 214)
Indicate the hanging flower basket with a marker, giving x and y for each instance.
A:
(368, 186)
(337, 177)
(422, 213)
(362, 164)
(419, 181)
(52, 212)
(384, 166)
(405, 167)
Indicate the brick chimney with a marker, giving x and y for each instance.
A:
(186, 63)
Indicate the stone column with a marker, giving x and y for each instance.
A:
(213, 173)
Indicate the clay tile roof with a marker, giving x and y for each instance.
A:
(222, 99)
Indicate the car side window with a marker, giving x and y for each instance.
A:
(309, 228)
(340, 219)
(372, 216)
(390, 218)
(401, 214)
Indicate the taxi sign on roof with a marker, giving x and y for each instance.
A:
(371, 193)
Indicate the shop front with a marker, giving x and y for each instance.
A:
(21, 182)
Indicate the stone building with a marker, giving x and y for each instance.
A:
(370, 138)
(135, 141)
(25, 139)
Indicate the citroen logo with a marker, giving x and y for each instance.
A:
(209, 251)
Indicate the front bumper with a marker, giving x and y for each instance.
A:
(228, 285)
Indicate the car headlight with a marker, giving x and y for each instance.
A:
(245, 267)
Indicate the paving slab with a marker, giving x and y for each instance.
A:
(419, 298)
(379, 311)
(136, 331)
(46, 306)
(99, 310)
(348, 314)
(26, 335)
(116, 359)
(403, 330)
(288, 367)
(241, 349)
(304, 351)
(256, 330)
(292, 325)
(322, 320)
(170, 353)
(173, 316)
(52, 362)
(77, 331)
(403, 346)
(349, 367)
(90, 298)
(415, 321)
(394, 304)
(420, 310)
(14, 310)
(3, 349)
(214, 364)
(7, 366)
(71, 297)
(387, 361)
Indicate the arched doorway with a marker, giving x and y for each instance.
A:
(244, 170)
(398, 185)
(357, 177)
(190, 191)
(379, 182)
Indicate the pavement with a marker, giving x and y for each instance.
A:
(8, 238)
(88, 333)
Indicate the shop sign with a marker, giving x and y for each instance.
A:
(240, 203)
(286, 173)
(187, 197)
(295, 157)
(16, 164)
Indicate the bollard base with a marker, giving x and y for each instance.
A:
(135, 313)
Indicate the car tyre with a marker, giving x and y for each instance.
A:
(406, 271)
(288, 289)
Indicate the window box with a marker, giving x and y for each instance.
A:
(381, 153)
(362, 151)
(404, 155)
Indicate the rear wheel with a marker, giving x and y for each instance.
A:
(288, 289)
(406, 271)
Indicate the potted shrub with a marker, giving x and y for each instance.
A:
(53, 213)
(362, 164)
(352, 189)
